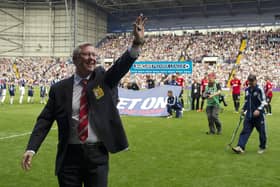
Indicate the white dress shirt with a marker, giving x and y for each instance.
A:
(73, 137)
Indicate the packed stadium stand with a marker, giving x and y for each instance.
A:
(37, 36)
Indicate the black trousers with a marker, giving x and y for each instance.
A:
(202, 103)
(195, 103)
(236, 101)
(248, 126)
(85, 164)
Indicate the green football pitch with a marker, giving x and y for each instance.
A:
(162, 153)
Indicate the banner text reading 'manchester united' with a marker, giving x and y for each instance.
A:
(151, 102)
(168, 67)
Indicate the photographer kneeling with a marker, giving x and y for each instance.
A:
(173, 103)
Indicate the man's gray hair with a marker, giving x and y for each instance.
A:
(78, 48)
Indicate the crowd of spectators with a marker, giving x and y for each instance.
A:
(261, 57)
(35, 69)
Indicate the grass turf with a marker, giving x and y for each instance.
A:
(163, 152)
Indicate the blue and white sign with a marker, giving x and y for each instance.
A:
(151, 102)
(168, 67)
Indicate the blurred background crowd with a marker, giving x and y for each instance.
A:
(261, 56)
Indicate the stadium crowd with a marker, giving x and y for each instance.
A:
(261, 57)
(35, 69)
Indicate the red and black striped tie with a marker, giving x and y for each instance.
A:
(83, 116)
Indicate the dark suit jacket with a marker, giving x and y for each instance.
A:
(102, 106)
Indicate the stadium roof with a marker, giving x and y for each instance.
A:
(125, 9)
(167, 8)
(160, 11)
(172, 14)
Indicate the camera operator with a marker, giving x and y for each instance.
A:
(133, 86)
(173, 103)
(212, 94)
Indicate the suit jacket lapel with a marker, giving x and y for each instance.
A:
(68, 92)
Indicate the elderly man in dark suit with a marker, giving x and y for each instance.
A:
(89, 125)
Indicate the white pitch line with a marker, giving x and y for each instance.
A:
(18, 135)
